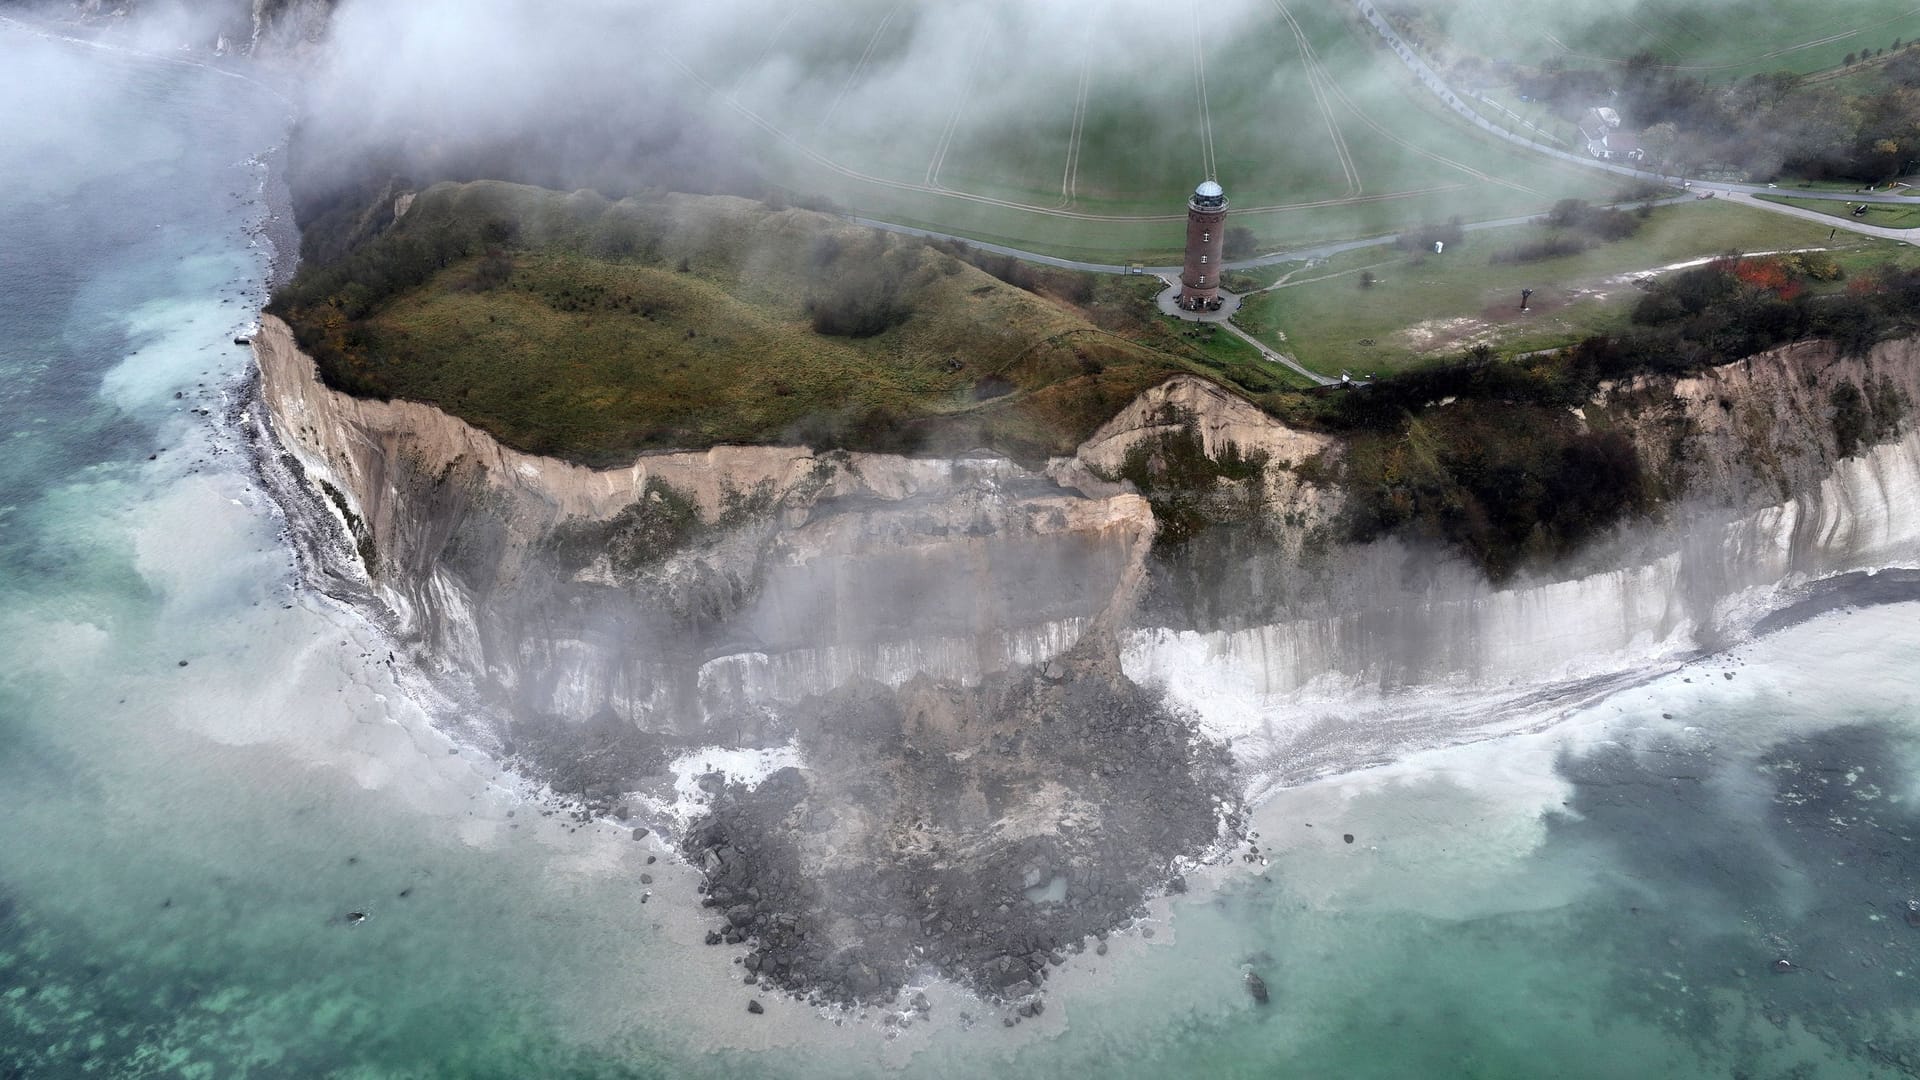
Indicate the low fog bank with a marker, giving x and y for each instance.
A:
(622, 97)
(276, 29)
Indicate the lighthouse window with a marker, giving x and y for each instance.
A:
(1203, 260)
(1203, 279)
(1205, 236)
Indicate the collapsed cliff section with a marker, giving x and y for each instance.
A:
(982, 786)
(974, 833)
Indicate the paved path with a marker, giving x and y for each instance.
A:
(1002, 249)
(1282, 359)
(1911, 236)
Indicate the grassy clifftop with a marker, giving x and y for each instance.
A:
(571, 325)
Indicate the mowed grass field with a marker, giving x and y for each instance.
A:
(1717, 40)
(1087, 143)
(1426, 308)
(1885, 215)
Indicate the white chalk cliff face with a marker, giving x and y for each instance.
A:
(810, 570)
(832, 567)
(1358, 653)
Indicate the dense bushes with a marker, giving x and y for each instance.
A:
(1861, 418)
(661, 521)
(857, 305)
(1600, 222)
(1713, 314)
(1073, 286)
(1504, 482)
(1761, 126)
(1851, 421)
(1553, 246)
(1578, 225)
(1506, 473)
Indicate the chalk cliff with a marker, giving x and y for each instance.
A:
(1338, 655)
(836, 567)
(753, 574)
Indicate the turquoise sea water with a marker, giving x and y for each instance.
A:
(1606, 898)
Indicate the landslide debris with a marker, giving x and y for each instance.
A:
(979, 833)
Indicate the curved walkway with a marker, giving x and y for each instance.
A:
(1909, 236)
(1282, 359)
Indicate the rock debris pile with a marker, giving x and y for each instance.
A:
(977, 833)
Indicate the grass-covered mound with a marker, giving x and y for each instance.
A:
(572, 325)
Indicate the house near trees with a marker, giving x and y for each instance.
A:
(1606, 139)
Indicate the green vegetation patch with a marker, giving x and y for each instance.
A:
(592, 330)
(1885, 215)
(1863, 419)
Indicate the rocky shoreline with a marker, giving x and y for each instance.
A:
(973, 834)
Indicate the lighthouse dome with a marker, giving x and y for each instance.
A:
(1209, 190)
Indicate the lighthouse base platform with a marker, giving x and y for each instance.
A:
(1169, 302)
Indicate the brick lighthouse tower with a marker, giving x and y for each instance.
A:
(1206, 240)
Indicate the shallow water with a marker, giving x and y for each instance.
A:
(1606, 898)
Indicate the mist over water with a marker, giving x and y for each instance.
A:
(1606, 898)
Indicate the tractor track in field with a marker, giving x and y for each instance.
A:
(1317, 81)
(952, 131)
(1313, 61)
(859, 68)
(1209, 163)
(1070, 175)
(773, 42)
(788, 140)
